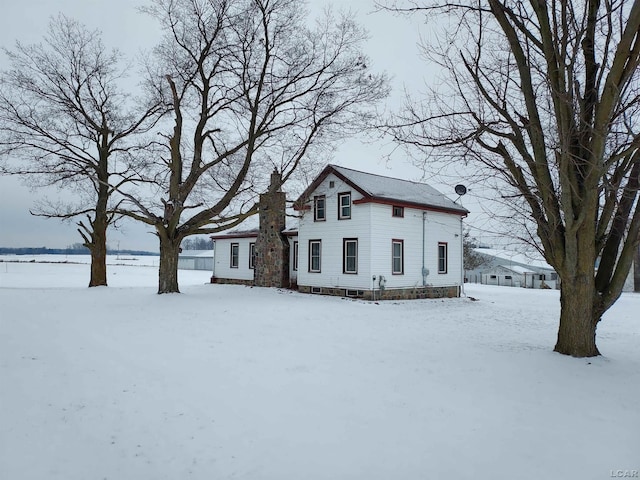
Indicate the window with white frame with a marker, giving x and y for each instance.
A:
(315, 251)
(397, 257)
(319, 208)
(252, 255)
(235, 255)
(344, 205)
(350, 255)
(442, 257)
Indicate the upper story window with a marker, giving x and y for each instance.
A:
(235, 255)
(344, 205)
(319, 208)
(442, 257)
(397, 211)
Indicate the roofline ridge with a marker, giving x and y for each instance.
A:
(382, 176)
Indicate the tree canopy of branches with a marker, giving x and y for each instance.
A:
(253, 89)
(64, 121)
(544, 96)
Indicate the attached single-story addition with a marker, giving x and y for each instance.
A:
(235, 258)
(359, 235)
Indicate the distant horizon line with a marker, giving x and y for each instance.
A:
(68, 251)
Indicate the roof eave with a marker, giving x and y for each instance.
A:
(422, 206)
(245, 234)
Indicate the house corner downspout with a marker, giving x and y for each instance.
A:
(424, 268)
(461, 258)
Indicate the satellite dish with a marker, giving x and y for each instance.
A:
(460, 189)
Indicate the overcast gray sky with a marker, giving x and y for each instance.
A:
(392, 48)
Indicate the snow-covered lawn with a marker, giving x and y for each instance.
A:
(230, 382)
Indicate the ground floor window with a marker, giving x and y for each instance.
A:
(315, 251)
(252, 255)
(295, 256)
(397, 257)
(442, 257)
(235, 251)
(350, 255)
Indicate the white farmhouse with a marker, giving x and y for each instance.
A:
(359, 235)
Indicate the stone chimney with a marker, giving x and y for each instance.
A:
(272, 247)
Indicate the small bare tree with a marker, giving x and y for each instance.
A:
(66, 122)
(545, 97)
(253, 89)
(470, 258)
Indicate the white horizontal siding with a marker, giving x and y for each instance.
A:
(331, 233)
(222, 257)
(439, 227)
(375, 227)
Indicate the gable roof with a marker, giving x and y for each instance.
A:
(381, 189)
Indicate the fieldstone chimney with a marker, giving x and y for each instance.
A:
(272, 247)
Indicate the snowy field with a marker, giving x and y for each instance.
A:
(231, 382)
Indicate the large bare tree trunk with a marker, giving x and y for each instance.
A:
(578, 317)
(168, 275)
(98, 245)
(99, 255)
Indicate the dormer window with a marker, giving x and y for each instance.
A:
(319, 208)
(397, 211)
(344, 205)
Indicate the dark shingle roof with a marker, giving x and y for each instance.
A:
(387, 189)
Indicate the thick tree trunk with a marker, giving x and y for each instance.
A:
(100, 222)
(578, 318)
(99, 255)
(168, 275)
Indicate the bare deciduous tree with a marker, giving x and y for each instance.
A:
(253, 89)
(545, 96)
(65, 121)
(198, 243)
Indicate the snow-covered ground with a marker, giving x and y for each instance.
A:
(231, 382)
